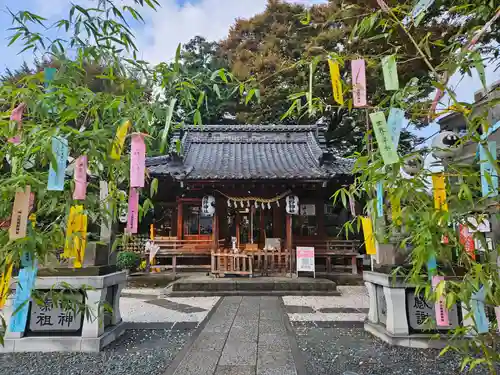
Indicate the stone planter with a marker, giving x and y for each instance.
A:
(397, 314)
(51, 329)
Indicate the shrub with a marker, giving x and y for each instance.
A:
(127, 260)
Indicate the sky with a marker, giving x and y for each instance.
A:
(177, 21)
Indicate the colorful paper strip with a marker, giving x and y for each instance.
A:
(385, 144)
(80, 178)
(17, 116)
(442, 319)
(439, 189)
(479, 311)
(390, 71)
(336, 82)
(466, 238)
(432, 265)
(106, 222)
(5, 283)
(366, 223)
(57, 173)
(137, 161)
(395, 124)
(358, 70)
(76, 236)
(48, 75)
(26, 282)
(119, 140)
(380, 199)
(133, 211)
(20, 213)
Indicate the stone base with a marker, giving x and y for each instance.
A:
(420, 341)
(64, 343)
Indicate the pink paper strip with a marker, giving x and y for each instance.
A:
(137, 160)
(497, 313)
(440, 307)
(80, 177)
(358, 82)
(133, 211)
(17, 116)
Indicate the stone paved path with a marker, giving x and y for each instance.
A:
(245, 335)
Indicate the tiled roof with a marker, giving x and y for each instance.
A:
(256, 152)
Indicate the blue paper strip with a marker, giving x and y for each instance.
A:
(432, 265)
(27, 277)
(487, 168)
(395, 123)
(60, 151)
(48, 75)
(380, 199)
(477, 306)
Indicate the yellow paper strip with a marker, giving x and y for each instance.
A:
(80, 238)
(68, 245)
(5, 283)
(368, 235)
(119, 140)
(336, 81)
(439, 188)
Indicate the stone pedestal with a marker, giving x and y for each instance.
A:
(397, 315)
(51, 329)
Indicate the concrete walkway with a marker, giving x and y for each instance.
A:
(245, 335)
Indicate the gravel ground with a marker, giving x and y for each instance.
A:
(333, 351)
(137, 352)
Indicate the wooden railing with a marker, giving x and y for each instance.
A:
(224, 261)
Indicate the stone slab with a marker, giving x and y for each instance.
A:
(238, 352)
(199, 363)
(235, 370)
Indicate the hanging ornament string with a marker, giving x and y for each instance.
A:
(255, 199)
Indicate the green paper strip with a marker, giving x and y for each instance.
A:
(390, 71)
(384, 140)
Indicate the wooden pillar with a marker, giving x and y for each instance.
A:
(215, 231)
(180, 226)
(237, 218)
(288, 241)
(320, 218)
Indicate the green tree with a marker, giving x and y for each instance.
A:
(277, 46)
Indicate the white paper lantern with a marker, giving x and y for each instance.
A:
(208, 205)
(446, 144)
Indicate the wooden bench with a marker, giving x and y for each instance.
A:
(333, 248)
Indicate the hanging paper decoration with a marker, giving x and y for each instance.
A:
(489, 175)
(57, 172)
(380, 199)
(48, 76)
(418, 10)
(26, 282)
(336, 82)
(395, 124)
(248, 203)
(17, 116)
(241, 204)
(278, 203)
(80, 178)
(497, 314)
(20, 213)
(432, 265)
(119, 141)
(439, 188)
(385, 144)
(358, 82)
(137, 160)
(477, 306)
(440, 307)
(466, 238)
(352, 206)
(5, 282)
(268, 205)
(235, 204)
(263, 206)
(390, 71)
(229, 203)
(480, 33)
(133, 211)
(76, 236)
(369, 237)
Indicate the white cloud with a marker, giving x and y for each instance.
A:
(172, 24)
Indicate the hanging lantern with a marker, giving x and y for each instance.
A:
(208, 205)
(446, 144)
